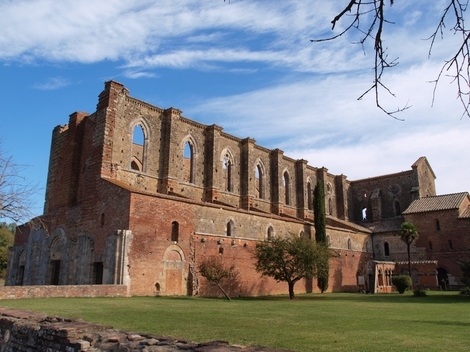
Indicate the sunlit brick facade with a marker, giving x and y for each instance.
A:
(139, 196)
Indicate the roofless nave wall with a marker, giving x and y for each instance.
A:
(139, 195)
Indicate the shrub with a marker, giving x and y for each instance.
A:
(214, 270)
(465, 291)
(419, 293)
(402, 282)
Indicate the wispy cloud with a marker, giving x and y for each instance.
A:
(134, 74)
(191, 33)
(308, 108)
(52, 84)
(320, 120)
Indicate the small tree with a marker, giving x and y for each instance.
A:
(408, 233)
(465, 267)
(288, 259)
(214, 270)
(319, 212)
(402, 282)
(320, 234)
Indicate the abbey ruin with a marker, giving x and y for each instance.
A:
(138, 196)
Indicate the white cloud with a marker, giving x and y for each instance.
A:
(52, 84)
(309, 110)
(321, 121)
(194, 33)
(134, 74)
(90, 31)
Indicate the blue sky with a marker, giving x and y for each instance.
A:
(248, 66)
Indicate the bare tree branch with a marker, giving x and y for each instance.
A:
(373, 29)
(459, 63)
(16, 202)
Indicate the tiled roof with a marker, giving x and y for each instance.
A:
(419, 262)
(465, 214)
(443, 202)
(385, 225)
(335, 222)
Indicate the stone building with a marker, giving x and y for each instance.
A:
(139, 196)
(444, 228)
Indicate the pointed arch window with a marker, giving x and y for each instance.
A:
(138, 149)
(397, 207)
(97, 277)
(386, 249)
(227, 167)
(388, 274)
(20, 273)
(175, 228)
(259, 177)
(309, 196)
(349, 243)
(286, 180)
(330, 207)
(230, 228)
(55, 272)
(188, 162)
(270, 234)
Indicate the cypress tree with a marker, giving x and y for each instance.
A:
(319, 212)
(320, 233)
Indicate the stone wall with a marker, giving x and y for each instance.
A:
(217, 167)
(17, 292)
(123, 211)
(445, 237)
(388, 196)
(208, 230)
(32, 331)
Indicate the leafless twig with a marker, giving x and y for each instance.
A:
(16, 192)
(373, 29)
(459, 63)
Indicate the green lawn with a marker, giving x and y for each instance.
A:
(319, 322)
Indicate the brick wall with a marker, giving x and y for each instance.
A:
(98, 206)
(444, 237)
(17, 292)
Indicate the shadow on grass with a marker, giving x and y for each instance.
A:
(433, 297)
(445, 323)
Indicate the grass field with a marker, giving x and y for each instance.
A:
(326, 322)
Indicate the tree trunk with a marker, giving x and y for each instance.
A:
(291, 289)
(225, 293)
(408, 245)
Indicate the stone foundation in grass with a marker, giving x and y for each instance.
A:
(32, 331)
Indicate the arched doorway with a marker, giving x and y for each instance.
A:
(173, 263)
(56, 250)
(442, 278)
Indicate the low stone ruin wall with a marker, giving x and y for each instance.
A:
(15, 292)
(32, 331)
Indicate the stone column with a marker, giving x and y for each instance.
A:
(276, 157)
(211, 162)
(247, 174)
